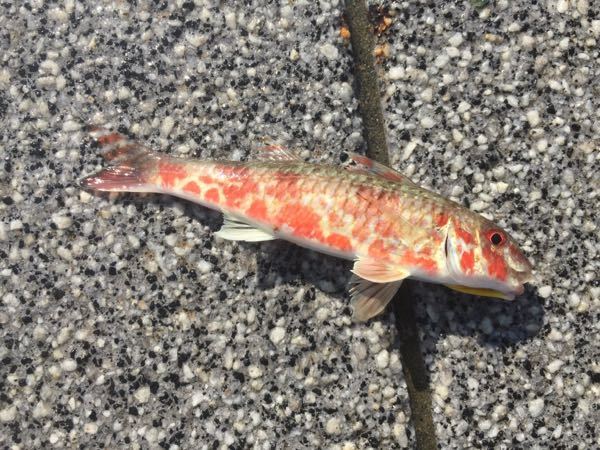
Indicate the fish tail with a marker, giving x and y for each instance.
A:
(132, 166)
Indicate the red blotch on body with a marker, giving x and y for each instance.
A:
(379, 250)
(441, 219)
(258, 210)
(335, 220)
(304, 222)
(233, 194)
(238, 186)
(496, 265)
(466, 237)
(361, 232)
(420, 260)
(283, 187)
(192, 187)
(212, 195)
(339, 242)
(206, 179)
(467, 261)
(384, 228)
(171, 173)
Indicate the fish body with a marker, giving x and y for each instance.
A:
(368, 213)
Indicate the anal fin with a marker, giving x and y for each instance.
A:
(234, 229)
(370, 299)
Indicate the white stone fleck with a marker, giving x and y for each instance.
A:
(410, 147)
(230, 20)
(167, 126)
(133, 241)
(90, 428)
(485, 425)
(333, 426)
(554, 366)
(545, 291)
(10, 299)
(427, 122)
(463, 107)
(501, 186)
(562, 6)
(479, 205)
(536, 407)
(41, 409)
(171, 240)
(442, 391)
(453, 52)
(196, 40)
(71, 125)
(123, 93)
(427, 95)
(255, 371)
(442, 60)
(456, 39)
(8, 414)
(276, 335)
(535, 195)
(457, 136)
(49, 66)
(382, 359)
(330, 51)
(568, 176)
(396, 73)
(62, 222)
(204, 266)
(533, 117)
(142, 395)
(68, 365)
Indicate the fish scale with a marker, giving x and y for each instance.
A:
(369, 213)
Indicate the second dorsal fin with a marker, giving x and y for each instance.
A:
(372, 166)
(276, 152)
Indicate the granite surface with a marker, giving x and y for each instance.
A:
(125, 323)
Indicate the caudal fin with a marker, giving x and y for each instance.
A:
(132, 166)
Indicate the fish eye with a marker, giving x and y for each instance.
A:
(496, 237)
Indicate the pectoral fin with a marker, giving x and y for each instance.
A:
(377, 271)
(370, 299)
(234, 229)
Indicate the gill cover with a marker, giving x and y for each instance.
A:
(466, 265)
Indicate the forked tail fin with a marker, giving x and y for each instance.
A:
(132, 166)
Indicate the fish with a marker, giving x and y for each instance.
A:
(388, 226)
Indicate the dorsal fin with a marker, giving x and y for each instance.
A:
(276, 152)
(371, 166)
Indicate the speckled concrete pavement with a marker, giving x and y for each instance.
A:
(125, 323)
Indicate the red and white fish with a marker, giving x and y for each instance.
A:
(391, 228)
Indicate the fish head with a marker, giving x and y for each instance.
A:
(483, 259)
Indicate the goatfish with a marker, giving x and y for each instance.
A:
(391, 228)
